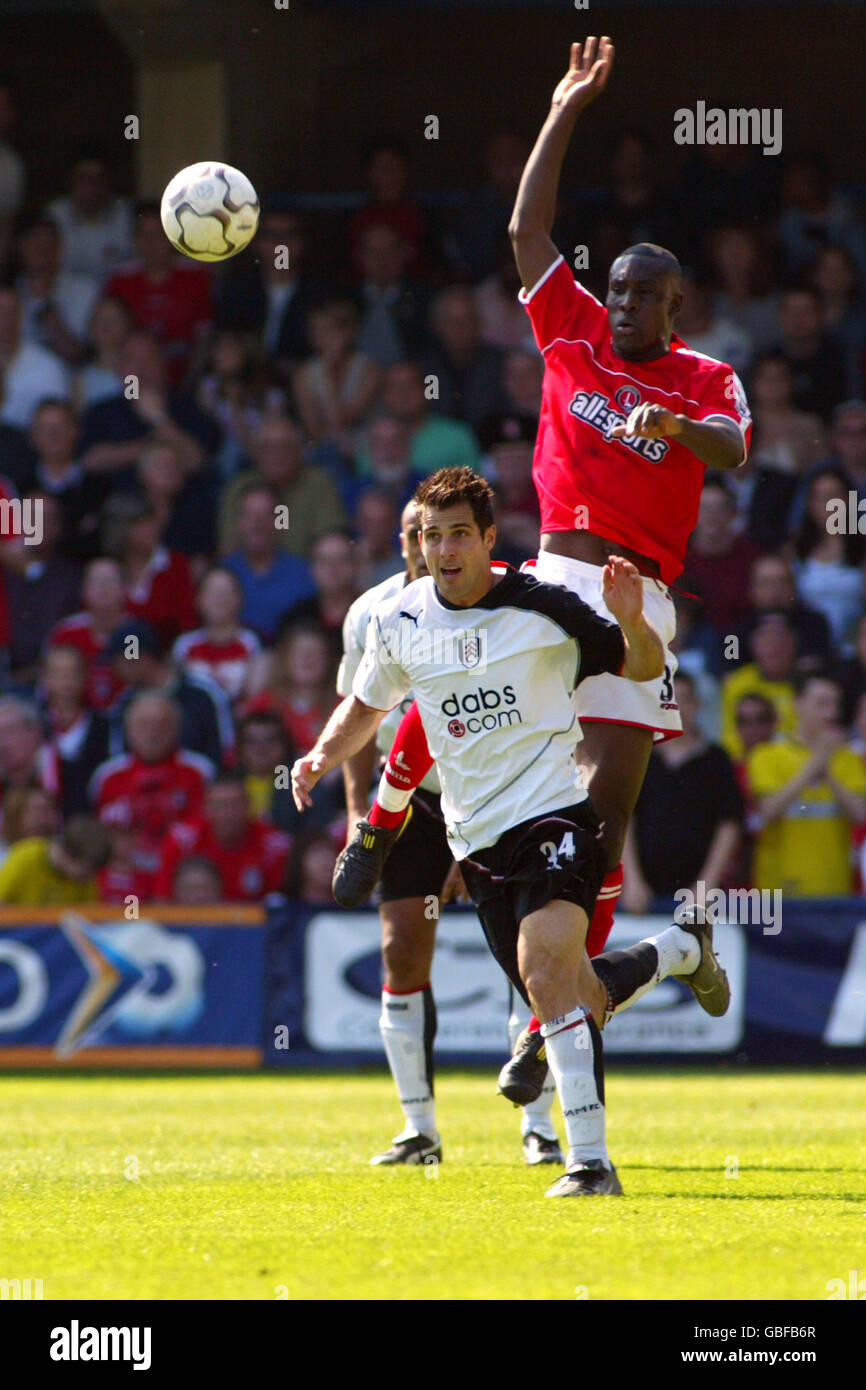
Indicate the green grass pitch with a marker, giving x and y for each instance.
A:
(738, 1185)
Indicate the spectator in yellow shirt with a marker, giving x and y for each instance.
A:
(773, 644)
(810, 791)
(57, 872)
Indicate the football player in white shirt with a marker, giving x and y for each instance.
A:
(492, 662)
(417, 879)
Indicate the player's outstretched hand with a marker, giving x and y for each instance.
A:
(587, 74)
(305, 774)
(647, 422)
(622, 589)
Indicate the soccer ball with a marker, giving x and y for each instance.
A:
(210, 211)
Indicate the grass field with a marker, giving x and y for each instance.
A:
(258, 1187)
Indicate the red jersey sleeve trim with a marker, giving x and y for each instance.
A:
(524, 296)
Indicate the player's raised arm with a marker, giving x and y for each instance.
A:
(535, 207)
(350, 726)
(622, 588)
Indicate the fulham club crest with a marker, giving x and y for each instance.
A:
(472, 649)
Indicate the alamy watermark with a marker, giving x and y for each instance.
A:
(737, 126)
(22, 519)
(742, 906)
(407, 645)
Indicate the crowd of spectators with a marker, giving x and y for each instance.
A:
(221, 457)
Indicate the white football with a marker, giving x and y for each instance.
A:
(210, 211)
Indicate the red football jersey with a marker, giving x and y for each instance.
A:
(642, 492)
(227, 663)
(248, 871)
(103, 686)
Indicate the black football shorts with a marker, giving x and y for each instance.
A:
(419, 862)
(557, 855)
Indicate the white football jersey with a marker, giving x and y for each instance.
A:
(493, 685)
(354, 640)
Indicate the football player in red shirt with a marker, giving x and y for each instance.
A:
(630, 419)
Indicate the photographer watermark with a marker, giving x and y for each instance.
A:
(739, 906)
(22, 518)
(737, 126)
(407, 644)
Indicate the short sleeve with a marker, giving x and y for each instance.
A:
(379, 681)
(601, 643)
(722, 397)
(558, 306)
(353, 651)
(726, 792)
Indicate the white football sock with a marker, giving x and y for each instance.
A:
(535, 1118)
(679, 953)
(408, 1026)
(392, 798)
(575, 1057)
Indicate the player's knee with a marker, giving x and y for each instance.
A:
(406, 962)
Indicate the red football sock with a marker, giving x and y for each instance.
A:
(601, 923)
(408, 763)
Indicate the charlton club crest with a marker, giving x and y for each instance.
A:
(471, 649)
(627, 397)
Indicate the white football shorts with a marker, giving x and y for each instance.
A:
(609, 699)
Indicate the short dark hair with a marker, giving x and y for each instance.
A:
(801, 680)
(648, 250)
(87, 840)
(449, 487)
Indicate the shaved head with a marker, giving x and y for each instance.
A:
(665, 260)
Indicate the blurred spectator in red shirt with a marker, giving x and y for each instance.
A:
(159, 584)
(149, 789)
(718, 560)
(96, 227)
(296, 681)
(168, 297)
(104, 598)
(251, 854)
(222, 649)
